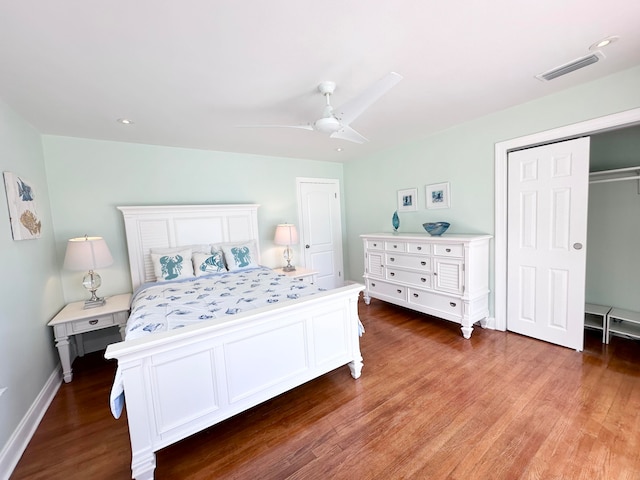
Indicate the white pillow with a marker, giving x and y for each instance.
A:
(205, 263)
(172, 265)
(240, 256)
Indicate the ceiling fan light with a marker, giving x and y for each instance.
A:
(327, 125)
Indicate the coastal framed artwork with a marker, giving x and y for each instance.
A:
(23, 213)
(438, 195)
(408, 200)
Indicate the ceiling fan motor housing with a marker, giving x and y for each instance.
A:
(327, 125)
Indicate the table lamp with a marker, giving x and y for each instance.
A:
(286, 234)
(88, 253)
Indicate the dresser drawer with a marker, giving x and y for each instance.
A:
(387, 289)
(408, 261)
(445, 250)
(395, 246)
(374, 244)
(422, 248)
(423, 280)
(441, 303)
(92, 323)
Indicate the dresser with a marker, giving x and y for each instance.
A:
(447, 276)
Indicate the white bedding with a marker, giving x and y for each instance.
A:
(162, 306)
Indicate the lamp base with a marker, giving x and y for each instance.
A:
(94, 303)
(289, 268)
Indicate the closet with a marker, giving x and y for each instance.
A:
(613, 234)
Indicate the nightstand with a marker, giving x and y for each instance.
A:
(300, 273)
(74, 320)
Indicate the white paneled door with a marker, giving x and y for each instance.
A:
(547, 232)
(321, 229)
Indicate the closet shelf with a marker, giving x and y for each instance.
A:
(615, 175)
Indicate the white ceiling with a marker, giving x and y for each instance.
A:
(188, 72)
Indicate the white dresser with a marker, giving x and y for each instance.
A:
(446, 276)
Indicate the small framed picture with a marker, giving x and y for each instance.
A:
(438, 195)
(408, 200)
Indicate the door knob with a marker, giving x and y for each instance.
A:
(577, 246)
(307, 246)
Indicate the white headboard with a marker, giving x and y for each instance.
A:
(150, 227)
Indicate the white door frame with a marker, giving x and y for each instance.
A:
(588, 127)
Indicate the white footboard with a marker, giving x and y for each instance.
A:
(179, 382)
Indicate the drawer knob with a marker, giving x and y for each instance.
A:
(391, 259)
(453, 304)
(373, 284)
(395, 246)
(423, 263)
(447, 250)
(419, 248)
(416, 295)
(423, 279)
(392, 274)
(435, 273)
(399, 291)
(93, 322)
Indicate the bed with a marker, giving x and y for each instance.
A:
(180, 381)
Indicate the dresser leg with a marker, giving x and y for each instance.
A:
(466, 331)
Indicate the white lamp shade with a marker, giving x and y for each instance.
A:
(286, 234)
(87, 253)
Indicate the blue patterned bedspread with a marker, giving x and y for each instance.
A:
(158, 307)
(170, 305)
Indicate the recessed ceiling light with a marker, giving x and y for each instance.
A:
(125, 121)
(604, 42)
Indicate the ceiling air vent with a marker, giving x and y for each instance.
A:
(572, 66)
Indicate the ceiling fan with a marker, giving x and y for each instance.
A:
(336, 121)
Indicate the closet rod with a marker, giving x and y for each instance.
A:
(612, 175)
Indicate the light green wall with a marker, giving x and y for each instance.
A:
(31, 293)
(464, 156)
(613, 256)
(89, 178)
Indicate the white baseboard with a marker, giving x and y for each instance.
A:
(489, 322)
(17, 444)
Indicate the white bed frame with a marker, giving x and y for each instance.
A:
(179, 382)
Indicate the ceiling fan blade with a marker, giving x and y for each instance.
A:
(352, 109)
(304, 127)
(348, 133)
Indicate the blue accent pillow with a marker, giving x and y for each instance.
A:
(172, 266)
(205, 263)
(240, 257)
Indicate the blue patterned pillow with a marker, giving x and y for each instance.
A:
(240, 257)
(172, 266)
(205, 263)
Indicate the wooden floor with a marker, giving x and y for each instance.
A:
(429, 405)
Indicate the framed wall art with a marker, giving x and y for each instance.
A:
(438, 195)
(408, 200)
(21, 197)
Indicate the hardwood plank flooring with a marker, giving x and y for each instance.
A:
(429, 405)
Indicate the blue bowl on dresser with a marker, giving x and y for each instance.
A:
(436, 228)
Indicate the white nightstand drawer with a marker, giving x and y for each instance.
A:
(92, 323)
